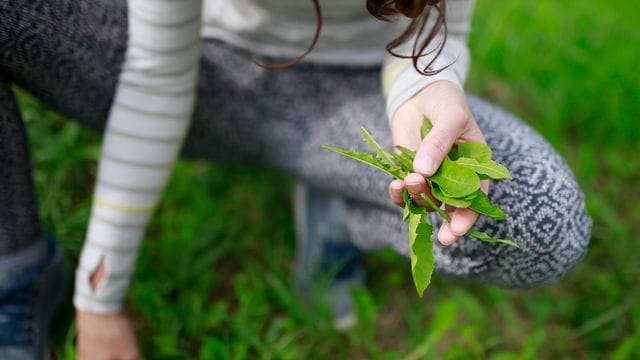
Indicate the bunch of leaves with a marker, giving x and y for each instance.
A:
(455, 183)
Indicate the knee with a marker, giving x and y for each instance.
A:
(557, 239)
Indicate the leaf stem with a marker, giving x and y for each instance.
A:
(436, 208)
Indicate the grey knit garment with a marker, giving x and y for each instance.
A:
(68, 53)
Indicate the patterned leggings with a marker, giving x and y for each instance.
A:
(68, 53)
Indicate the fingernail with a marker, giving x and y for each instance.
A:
(446, 239)
(447, 242)
(424, 165)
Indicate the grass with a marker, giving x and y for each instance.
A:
(213, 277)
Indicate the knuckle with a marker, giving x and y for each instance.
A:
(457, 113)
(457, 118)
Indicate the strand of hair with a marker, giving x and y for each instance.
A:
(298, 58)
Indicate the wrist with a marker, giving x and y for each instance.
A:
(92, 306)
(409, 83)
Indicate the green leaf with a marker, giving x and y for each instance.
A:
(482, 205)
(407, 152)
(405, 163)
(453, 153)
(406, 197)
(422, 262)
(485, 237)
(407, 204)
(454, 180)
(456, 183)
(368, 159)
(426, 127)
(459, 203)
(474, 150)
(422, 268)
(471, 196)
(382, 154)
(490, 168)
(405, 214)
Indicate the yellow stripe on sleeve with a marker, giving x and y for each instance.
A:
(121, 207)
(390, 71)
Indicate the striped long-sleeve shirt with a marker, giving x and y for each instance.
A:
(156, 91)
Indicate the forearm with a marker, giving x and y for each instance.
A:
(149, 118)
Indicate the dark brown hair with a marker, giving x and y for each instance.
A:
(298, 58)
(418, 11)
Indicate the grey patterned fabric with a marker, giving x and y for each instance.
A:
(19, 225)
(69, 53)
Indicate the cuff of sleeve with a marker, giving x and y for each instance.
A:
(409, 82)
(87, 304)
(107, 298)
(95, 301)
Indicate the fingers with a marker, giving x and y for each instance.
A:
(416, 185)
(461, 221)
(451, 126)
(436, 145)
(445, 105)
(396, 188)
(445, 236)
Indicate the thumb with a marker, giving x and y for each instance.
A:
(436, 145)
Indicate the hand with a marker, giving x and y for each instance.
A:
(445, 104)
(105, 337)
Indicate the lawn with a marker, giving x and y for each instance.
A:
(213, 277)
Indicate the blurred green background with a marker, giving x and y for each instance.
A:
(213, 277)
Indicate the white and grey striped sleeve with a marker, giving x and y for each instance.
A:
(400, 80)
(147, 124)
